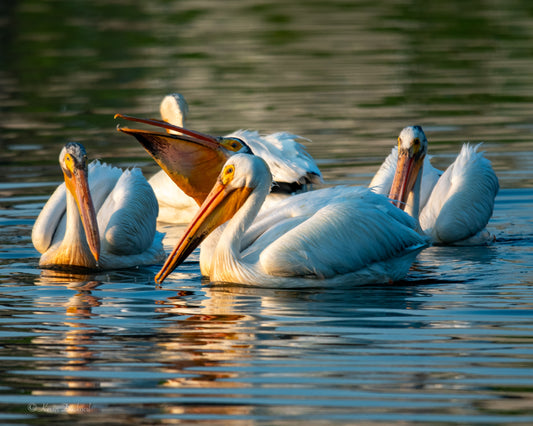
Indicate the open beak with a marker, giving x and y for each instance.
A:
(192, 159)
(78, 185)
(219, 206)
(407, 170)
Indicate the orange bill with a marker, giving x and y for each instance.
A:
(78, 185)
(219, 206)
(407, 170)
(191, 159)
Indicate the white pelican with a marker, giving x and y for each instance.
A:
(291, 166)
(453, 207)
(324, 237)
(193, 161)
(123, 232)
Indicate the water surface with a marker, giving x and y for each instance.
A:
(450, 344)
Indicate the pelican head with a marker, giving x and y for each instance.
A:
(73, 161)
(412, 149)
(240, 176)
(192, 159)
(174, 109)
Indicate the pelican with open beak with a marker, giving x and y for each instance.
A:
(191, 160)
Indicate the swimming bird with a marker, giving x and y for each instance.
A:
(292, 167)
(453, 207)
(325, 237)
(100, 218)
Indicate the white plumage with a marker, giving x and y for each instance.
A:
(125, 210)
(454, 206)
(291, 166)
(325, 237)
(462, 201)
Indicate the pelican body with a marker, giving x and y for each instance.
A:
(325, 237)
(293, 169)
(100, 218)
(453, 207)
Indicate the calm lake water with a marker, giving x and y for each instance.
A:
(453, 343)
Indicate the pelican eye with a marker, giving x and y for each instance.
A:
(233, 144)
(69, 162)
(416, 145)
(68, 166)
(227, 174)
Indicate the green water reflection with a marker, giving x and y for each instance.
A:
(346, 74)
(341, 73)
